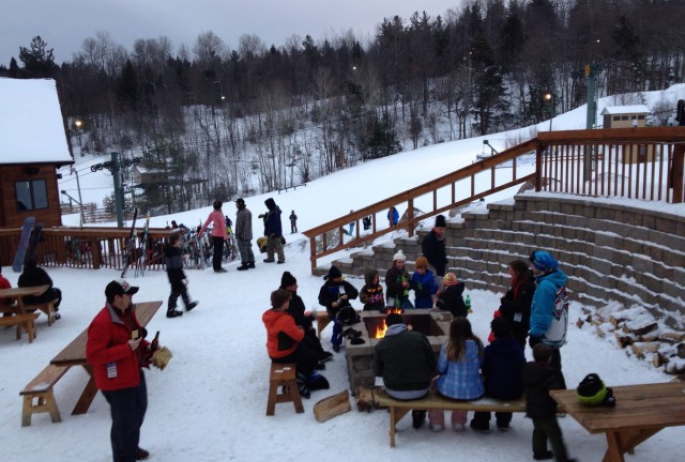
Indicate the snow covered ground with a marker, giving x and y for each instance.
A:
(209, 404)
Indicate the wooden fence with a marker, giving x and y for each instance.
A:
(88, 247)
(635, 163)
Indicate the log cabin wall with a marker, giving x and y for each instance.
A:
(10, 214)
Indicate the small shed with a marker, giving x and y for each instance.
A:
(34, 145)
(629, 117)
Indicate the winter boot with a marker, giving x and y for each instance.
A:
(317, 382)
(302, 386)
(244, 267)
(325, 356)
(192, 305)
(418, 418)
(173, 313)
(251, 265)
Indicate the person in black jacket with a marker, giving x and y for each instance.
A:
(273, 232)
(538, 379)
(303, 318)
(34, 275)
(515, 306)
(406, 362)
(433, 248)
(177, 278)
(451, 296)
(503, 362)
(335, 295)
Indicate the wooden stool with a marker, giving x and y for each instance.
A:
(283, 375)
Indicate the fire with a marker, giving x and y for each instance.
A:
(380, 332)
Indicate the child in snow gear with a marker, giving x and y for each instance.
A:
(335, 295)
(371, 294)
(177, 278)
(459, 372)
(397, 283)
(538, 379)
(450, 297)
(503, 362)
(423, 284)
(293, 223)
(304, 319)
(285, 343)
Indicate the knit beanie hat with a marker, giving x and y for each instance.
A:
(440, 221)
(287, 279)
(421, 262)
(543, 261)
(399, 256)
(333, 273)
(450, 279)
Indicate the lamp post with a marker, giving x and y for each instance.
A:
(78, 123)
(549, 98)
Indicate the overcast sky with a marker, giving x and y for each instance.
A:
(64, 24)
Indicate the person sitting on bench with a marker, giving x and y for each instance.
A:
(34, 275)
(405, 360)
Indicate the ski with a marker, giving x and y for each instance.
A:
(23, 244)
(130, 244)
(143, 258)
(35, 239)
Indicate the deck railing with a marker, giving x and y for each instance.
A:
(639, 163)
(88, 247)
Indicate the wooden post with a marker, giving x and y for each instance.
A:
(676, 180)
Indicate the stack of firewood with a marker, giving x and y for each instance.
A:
(641, 335)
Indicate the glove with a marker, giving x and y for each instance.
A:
(532, 341)
(161, 357)
(185, 282)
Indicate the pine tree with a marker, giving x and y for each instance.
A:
(38, 60)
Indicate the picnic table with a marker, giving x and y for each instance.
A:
(18, 294)
(74, 354)
(641, 411)
(19, 316)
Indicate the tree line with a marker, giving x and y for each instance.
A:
(219, 122)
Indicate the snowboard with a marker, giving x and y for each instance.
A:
(35, 239)
(143, 258)
(23, 244)
(130, 244)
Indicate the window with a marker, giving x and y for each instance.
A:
(31, 195)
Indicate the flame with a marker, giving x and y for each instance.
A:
(380, 332)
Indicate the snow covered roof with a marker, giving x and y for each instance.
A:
(31, 125)
(636, 109)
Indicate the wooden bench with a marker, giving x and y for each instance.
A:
(434, 401)
(46, 307)
(23, 322)
(38, 396)
(283, 375)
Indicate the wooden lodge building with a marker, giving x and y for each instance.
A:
(33, 145)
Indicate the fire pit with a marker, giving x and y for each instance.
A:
(433, 324)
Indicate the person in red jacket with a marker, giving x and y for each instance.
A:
(116, 350)
(219, 235)
(284, 343)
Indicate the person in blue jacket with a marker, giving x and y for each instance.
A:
(424, 285)
(549, 310)
(393, 216)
